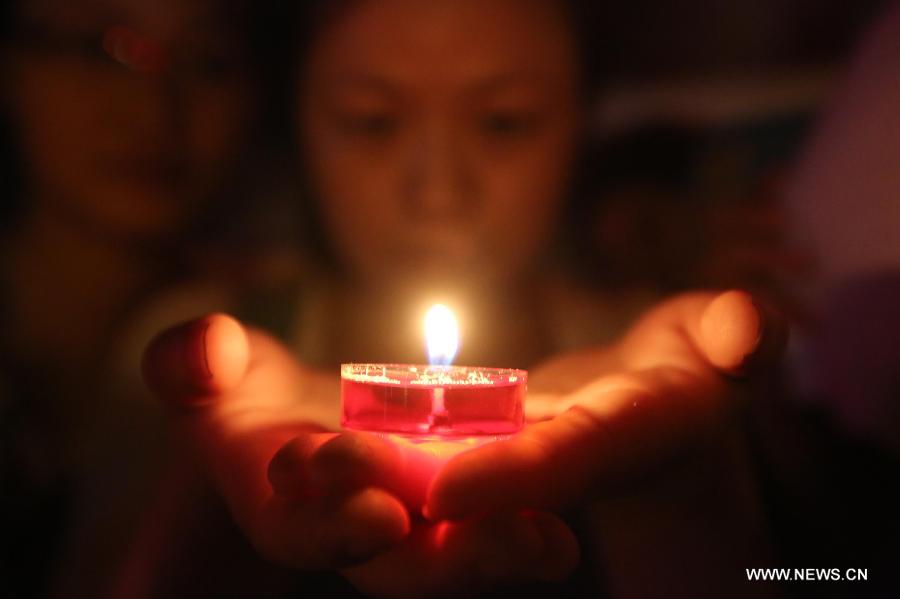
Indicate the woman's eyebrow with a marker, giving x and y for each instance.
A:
(519, 80)
(91, 14)
(364, 80)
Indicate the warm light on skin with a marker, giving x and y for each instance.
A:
(441, 335)
(432, 414)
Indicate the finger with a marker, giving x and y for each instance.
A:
(738, 334)
(196, 358)
(239, 397)
(458, 558)
(330, 532)
(729, 331)
(355, 459)
(322, 513)
(561, 552)
(618, 427)
(329, 463)
(289, 471)
(512, 547)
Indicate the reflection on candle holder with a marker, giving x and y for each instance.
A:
(433, 403)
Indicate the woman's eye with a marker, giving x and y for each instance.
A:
(508, 124)
(93, 51)
(376, 125)
(84, 46)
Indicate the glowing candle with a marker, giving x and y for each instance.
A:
(442, 341)
(437, 402)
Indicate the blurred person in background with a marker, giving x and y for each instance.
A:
(124, 120)
(844, 200)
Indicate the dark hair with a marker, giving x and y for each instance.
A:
(7, 18)
(311, 16)
(10, 161)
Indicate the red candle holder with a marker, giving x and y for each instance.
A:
(433, 403)
(435, 412)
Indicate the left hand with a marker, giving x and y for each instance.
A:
(631, 420)
(597, 416)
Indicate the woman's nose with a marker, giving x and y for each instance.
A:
(438, 182)
(148, 106)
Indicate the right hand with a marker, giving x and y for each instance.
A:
(313, 499)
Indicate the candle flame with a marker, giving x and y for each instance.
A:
(441, 335)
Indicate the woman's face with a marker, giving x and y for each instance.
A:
(439, 136)
(130, 150)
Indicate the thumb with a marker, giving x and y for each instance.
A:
(739, 334)
(196, 359)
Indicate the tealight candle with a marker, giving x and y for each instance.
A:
(462, 405)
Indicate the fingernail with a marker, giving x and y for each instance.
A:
(176, 363)
(196, 353)
(196, 358)
(221, 353)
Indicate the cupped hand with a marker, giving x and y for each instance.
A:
(602, 418)
(310, 498)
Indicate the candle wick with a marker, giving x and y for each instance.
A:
(439, 417)
(437, 404)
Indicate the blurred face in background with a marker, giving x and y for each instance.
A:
(439, 136)
(127, 112)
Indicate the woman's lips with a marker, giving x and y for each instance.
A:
(435, 259)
